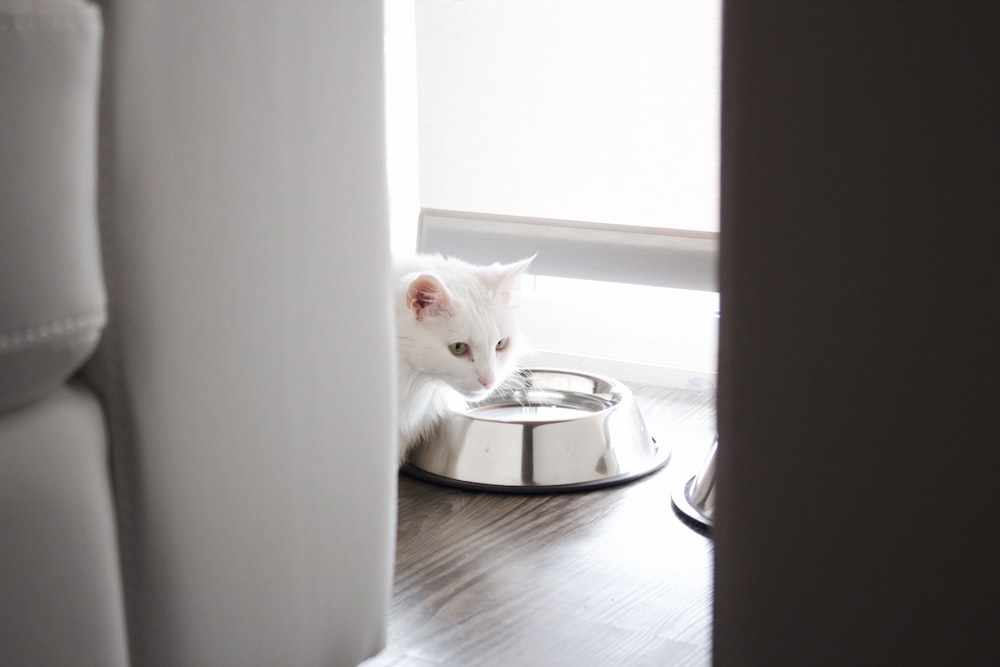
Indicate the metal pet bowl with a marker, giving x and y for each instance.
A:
(696, 498)
(560, 431)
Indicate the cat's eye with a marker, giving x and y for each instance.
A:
(459, 349)
(502, 343)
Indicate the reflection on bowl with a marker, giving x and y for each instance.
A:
(560, 430)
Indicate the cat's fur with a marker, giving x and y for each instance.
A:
(441, 302)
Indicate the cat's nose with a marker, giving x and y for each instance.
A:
(486, 383)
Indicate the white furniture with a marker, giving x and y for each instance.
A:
(196, 426)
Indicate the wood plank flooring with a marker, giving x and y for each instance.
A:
(611, 577)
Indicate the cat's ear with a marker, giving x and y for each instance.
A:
(507, 276)
(426, 296)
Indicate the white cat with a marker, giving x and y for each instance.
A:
(456, 335)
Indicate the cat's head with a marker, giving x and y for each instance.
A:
(460, 325)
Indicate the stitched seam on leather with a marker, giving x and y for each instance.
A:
(43, 333)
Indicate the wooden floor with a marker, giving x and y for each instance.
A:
(611, 577)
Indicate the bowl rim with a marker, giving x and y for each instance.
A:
(609, 400)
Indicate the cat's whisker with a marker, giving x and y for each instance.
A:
(513, 387)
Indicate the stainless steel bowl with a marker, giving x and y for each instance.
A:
(696, 498)
(561, 431)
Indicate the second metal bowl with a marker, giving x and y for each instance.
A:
(696, 499)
